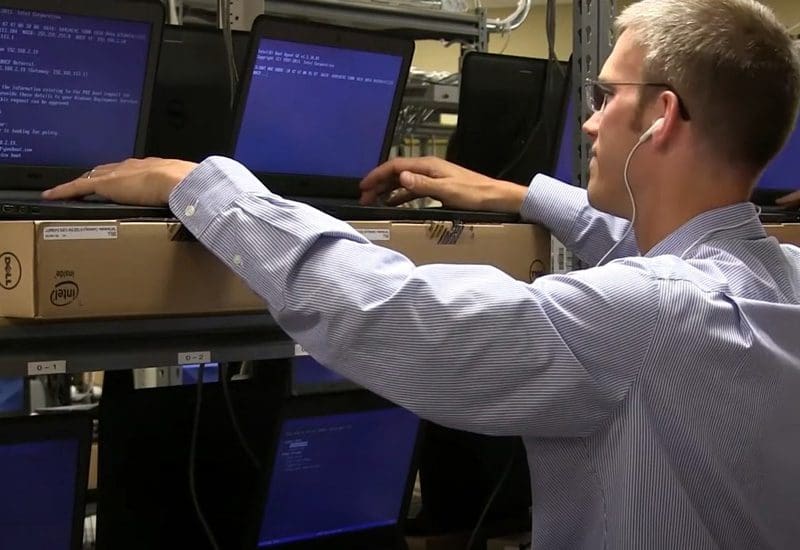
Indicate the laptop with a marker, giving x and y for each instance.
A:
(564, 167)
(75, 93)
(342, 476)
(44, 469)
(316, 112)
(781, 177)
(509, 115)
(191, 113)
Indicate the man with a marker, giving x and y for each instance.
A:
(792, 200)
(657, 394)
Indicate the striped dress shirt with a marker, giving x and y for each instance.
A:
(658, 396)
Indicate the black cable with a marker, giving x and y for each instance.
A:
(227, 38)
(193, 457)
(496, 490)
(223, 375)
(550, 29)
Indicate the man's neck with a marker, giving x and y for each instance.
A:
(659, 215)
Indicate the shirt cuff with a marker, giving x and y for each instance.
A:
(209, 189)
(553, 204)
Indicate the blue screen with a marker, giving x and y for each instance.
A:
(339, 473)
(565, 163)
(316, 110)
(189, 373)
(12, 395)
(783, 173)
(70, 88)
(38, 496)
(307, 371)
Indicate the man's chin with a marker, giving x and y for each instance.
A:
(600, 201)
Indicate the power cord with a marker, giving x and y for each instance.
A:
(633, 203)
(223, 374)
(494, 494)
(227, 37)
(192, 459)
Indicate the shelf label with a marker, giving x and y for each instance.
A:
(36, 368)
(192, 357)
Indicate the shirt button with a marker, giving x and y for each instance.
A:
(189, 211)
(237, 260)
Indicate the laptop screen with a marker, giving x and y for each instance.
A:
(339, 473)
(71, 88)
(565, 161)
(316, 110)
(43, 472)
(783, 173)
(12, 396)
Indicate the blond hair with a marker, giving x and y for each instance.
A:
(732, 62)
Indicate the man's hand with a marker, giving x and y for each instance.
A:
(792, 200)
(454, 186)
(146, 182)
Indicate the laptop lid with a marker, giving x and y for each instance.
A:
(44, 468)
(509, 114)
(317, 105)
(191, 112)
(76, 86)
(342, 476)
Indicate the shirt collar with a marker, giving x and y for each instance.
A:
(739, 221)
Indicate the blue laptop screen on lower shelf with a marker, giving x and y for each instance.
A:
(38, 481)
(12, 396)
(338, 473)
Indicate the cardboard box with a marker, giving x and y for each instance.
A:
(520, 250)
(786, 232)
(92, 482)
(516, 541)
(57, 270)
(450, 541)
(83, 269)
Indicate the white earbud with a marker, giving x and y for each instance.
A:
(652, 130)
(645, 136)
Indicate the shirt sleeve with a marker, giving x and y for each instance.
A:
(465, 346)
(564, 209)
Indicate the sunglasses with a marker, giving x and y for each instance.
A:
(597, 94)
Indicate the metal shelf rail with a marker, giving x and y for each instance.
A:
(32, 347)
(420, 24)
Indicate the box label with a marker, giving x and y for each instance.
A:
(79, 232)
(376, 234)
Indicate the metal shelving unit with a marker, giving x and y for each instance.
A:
(88, 345)
(419, 24)
(592, 43)
(33, 347)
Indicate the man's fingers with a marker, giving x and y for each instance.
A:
(791, 198)
(388, 171)
(401, 196)
(372, 194)
(76, 188)
(421, 185)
